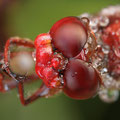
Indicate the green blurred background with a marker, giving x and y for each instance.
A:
(28, 18)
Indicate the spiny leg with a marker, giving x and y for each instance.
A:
(35, 96)
(19, 42)
(43, 91)
(5, 63)
(6, 83)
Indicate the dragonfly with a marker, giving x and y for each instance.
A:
(79, 56)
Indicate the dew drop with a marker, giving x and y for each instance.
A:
(109, 96)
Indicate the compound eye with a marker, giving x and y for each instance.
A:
(69, 36)
(81, 80)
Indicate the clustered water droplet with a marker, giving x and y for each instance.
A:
(109, 91)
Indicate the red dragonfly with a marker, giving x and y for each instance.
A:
(70, 58)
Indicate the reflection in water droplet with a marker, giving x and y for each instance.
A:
(74, 74)
(109, 96)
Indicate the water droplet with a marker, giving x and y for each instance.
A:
(109, 96)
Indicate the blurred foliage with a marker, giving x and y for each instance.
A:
(28, 18)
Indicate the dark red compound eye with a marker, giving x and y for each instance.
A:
(81, 80)
(69, 36)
